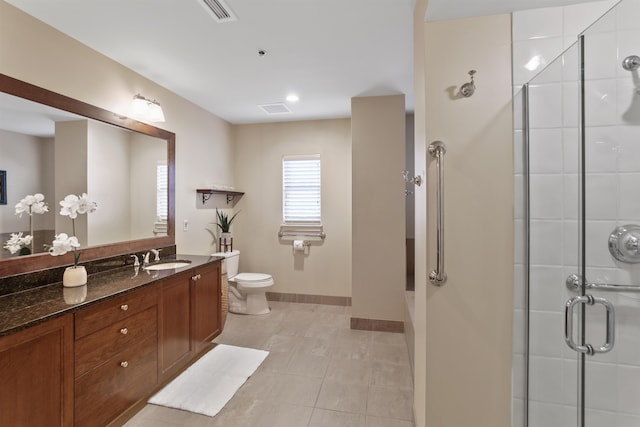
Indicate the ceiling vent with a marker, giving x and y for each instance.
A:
(220, 11)
(278, 108)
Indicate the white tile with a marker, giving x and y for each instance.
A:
(518, 196)
(519, 336)
(546, 242)
(546, 334)
(571, 197)
(571, 150)
(601, 196)
(518, 375)
(600, 56)
(571, 104)
(519, 280)
(604, 23)
(531, 57)
(627, 13)
(545, 288)
(545, 106)
(551, 415)
(571, 243)
(601, 384)
(537, 23)
(571, 61)
(546, 379)
(545, 151)
(628, 389)
(519, 241)
(578, 17)
(596, 243)
(601, 149)
(628, 196)
(628, 98)
(628, 143)
(517, 102)
(546, 196)
(600, 101)
(518, 155)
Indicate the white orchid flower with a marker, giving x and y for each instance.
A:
(63, 244)
(32, 204)
(16, 242)
(73, 205)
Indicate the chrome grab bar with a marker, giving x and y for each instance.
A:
(573, 284)
(438, 276)
(568, 325)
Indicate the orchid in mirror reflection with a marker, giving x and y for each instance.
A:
(31, 204)
(72, 205)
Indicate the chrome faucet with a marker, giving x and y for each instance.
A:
(145, 260)
(156, 252)
(136, 263)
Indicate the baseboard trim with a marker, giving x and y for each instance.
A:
(377, 325)
(309, 299)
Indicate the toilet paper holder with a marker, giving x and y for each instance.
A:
(300, 245)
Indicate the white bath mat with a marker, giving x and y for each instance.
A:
(207, 385)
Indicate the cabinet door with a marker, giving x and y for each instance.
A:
(174, 329)
(36, 368)
(205, 285)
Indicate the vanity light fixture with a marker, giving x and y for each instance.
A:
(146, 109)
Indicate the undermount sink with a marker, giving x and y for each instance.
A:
(168, 265)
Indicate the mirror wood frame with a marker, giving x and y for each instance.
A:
(42, 261)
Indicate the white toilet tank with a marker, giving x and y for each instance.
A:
(232, 261)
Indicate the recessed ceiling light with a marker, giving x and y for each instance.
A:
(292, 98)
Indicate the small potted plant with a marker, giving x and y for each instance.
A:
(224, 223)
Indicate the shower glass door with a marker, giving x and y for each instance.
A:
(584, 230)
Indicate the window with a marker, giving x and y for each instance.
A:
(301, 189)
(162, 192)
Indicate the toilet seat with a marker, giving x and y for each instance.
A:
(253, 280)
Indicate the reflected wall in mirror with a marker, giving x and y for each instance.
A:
(56, 146)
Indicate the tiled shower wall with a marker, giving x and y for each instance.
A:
(539, 36)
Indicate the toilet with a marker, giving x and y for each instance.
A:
(247, 291)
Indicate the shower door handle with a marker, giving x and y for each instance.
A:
(438, 276)
(568, 325)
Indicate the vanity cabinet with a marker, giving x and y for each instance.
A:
(205, 301)
(175, 348)
(116, 355)
(36, 368)
(189, 316)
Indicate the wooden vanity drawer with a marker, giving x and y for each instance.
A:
(105, 392)
(103, 314)
(105, 343)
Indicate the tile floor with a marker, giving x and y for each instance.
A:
(318, 373)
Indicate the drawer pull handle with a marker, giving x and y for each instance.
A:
(196, 277)
(124, 307)
(124, 364)
(124, 331)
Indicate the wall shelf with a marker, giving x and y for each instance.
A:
(208, 192)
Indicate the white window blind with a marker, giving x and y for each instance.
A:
(301, 189)
(162, 191)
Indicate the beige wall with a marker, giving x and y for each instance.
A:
(379, 262)
(467, 322)
(259, 148)
(40, 55)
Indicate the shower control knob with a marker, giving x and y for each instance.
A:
(624, 243)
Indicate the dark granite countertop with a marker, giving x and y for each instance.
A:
(27, 308)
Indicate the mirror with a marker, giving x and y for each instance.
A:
(56, 146)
